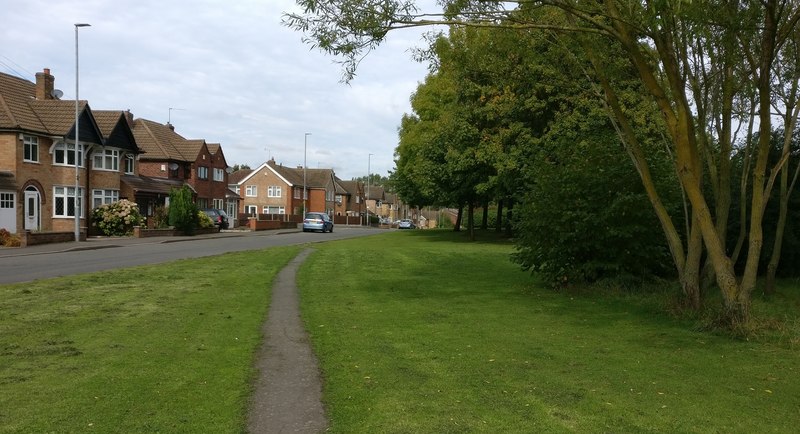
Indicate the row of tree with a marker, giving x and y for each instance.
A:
(635, 137)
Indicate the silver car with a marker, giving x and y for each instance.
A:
(317, 221)
(406, 224)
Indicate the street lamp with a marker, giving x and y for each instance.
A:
(366, 201)
(305, 147)
(77, 141)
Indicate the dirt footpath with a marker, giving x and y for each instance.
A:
(288, 391)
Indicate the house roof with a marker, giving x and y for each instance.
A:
(351, 187)
(20, 110)
(159, 141)
(374, 192)
(239, 176)
(151, 185)
(7, 181)
(115, 129)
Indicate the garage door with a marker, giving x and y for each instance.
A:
(8, 211)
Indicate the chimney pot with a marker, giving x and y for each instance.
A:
(45, 83)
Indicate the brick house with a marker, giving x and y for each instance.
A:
(38, 156)
(352, 200)
(170, 160)
(276, 189)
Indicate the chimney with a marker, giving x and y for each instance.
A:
(129, 117)
(170, 126)
(45, 83)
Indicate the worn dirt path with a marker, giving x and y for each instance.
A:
(288, 391)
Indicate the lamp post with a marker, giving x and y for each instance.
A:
(77, 209)
(366, 201)
(305, 147)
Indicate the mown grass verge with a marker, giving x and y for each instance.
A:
(165, 348)
(421, 332)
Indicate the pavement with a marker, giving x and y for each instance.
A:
(94, 243)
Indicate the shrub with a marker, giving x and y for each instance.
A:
(118, 218)
(7, 239)
(182, 211)
(204, 220)
(160, 217)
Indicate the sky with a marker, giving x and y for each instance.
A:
(225, 71)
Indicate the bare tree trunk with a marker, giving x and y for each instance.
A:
(457, 225)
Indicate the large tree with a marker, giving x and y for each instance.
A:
(663, 41)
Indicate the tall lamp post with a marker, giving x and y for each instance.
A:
(77, 209)
(366, 201)
(305, 147)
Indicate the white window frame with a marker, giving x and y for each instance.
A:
(130, 164)
(218, 203)
(30, 147)
(238, 189)
(106, 159)
(251, 191)
(7, 200)
(63, 151)
(274, 191)
(66, 196)
(104, 197)
(250, 209)
(202, 172)
(219, 174)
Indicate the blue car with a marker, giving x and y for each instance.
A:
(317, 221)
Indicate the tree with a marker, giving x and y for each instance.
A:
(182, 210)
(655, 38)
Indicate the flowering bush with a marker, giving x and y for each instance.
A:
(204, 220)
(117, 218)
(7, 239)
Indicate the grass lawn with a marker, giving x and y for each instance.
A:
(416, 331)
(164, 348)
(422, 332)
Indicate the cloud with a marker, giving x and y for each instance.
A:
(238, 76)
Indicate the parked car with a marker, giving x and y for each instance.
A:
(317, 221)
(217, 216)
(406, 224)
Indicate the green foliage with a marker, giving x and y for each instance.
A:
(160, 217)
(204, 221)
(182, 210)
(118, 218)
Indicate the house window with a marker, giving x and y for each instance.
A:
(274, 210)
(238, 190)
(107, 159)
(329, 195)
(7, 200)
(358, 199)
(251, 209)
(274, 191)
(218, 203)
(202, 203)
(104, 197)
(64, 201)
(251, 191)
(202, 172)
(339, 199)
(30, 145)
(129, 162)
(219, 175)
(64, 155)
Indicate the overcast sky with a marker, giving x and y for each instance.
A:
(231, 72)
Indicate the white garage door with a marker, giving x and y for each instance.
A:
(8, 211)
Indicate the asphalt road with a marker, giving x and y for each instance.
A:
(24, 266)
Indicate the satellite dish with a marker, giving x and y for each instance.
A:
(173, 166)
(229, 169)
(56, 93)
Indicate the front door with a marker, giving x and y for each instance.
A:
(32, 209)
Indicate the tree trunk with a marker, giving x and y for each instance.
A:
(498, 225)
(485, 221)
(457, 225)
(509, 219)
(471, 220)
